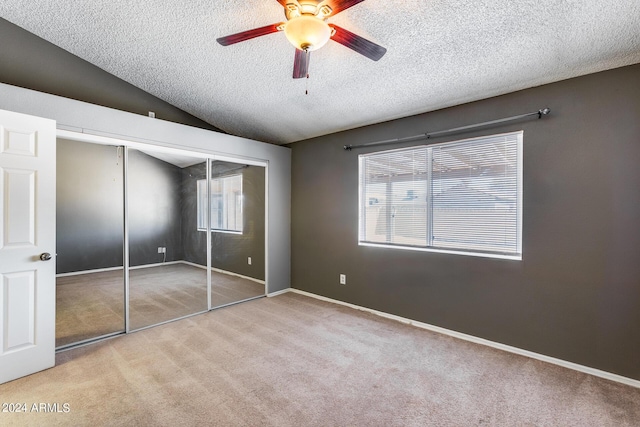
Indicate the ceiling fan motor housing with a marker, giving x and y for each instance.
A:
(307, 7)
(306, 28)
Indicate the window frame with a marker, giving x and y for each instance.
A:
(199, 207)
(516, 255)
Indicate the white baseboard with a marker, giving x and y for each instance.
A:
(102, 270)
(193, 264)
(159, 264)
(217, 270)
(230, 273)
(275, 294)
(515, 350)
(97, 270)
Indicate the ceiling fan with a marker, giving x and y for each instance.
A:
(306, 28)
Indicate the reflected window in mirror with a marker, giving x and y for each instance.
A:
(225, 198)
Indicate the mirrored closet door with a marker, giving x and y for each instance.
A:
(149, 235)
(167, 275)
(89, 227)
(237, 226)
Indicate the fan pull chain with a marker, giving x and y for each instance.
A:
(306, 89)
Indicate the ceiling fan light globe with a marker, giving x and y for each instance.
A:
(307, 32)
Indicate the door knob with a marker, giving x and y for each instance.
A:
(45, 256)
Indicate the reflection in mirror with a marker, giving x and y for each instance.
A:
(165, 280)
(89, 228)
(237, 221)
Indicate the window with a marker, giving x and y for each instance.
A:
(225, 198)
(461, 197)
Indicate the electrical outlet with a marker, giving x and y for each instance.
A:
(162, 250)
(249, 260)
(343, 279)
(159, 250)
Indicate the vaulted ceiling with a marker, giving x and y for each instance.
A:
(439, 53)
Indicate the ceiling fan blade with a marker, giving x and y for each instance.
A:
(250, 34)
(301, 64)
(338, 6)
(359, 44)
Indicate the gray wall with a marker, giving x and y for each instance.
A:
(195, 242)
(229, 252)
(89, 207)
(154, 209)
(576, 293)
(162, 212)
(28, 61)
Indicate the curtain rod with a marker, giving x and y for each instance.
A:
(539, 113)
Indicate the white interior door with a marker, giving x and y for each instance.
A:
(27, 244)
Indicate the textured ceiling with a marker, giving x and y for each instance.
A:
(440, 53)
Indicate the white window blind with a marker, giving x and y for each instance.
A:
(459, 196)
(225, 199)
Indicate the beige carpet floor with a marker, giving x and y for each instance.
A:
(92, 305)
(295, 361)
